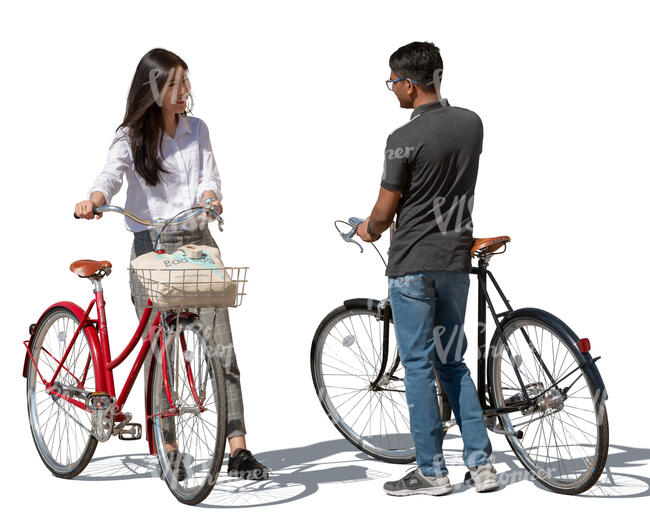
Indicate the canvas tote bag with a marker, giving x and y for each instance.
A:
(193, 276)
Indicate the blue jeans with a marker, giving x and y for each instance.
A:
(429, 313)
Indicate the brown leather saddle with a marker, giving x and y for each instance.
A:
(88, 267)
(488, 246)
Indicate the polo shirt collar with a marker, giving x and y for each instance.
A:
(420, 109)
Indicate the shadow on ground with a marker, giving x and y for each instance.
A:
(298, 472)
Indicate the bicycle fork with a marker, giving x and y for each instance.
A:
(168, 372)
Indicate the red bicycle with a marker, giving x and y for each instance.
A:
(71, 398)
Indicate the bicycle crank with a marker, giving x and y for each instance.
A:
(102, 419)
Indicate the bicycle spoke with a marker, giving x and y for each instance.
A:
(351, 352)
(197, 431)
(550, 445)
(61, 430)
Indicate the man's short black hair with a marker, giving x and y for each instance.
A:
(419, 61)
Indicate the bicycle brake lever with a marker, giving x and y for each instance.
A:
(347, 236)
(211, 210)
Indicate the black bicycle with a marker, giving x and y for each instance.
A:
(538, 383)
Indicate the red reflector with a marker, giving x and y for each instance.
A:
(162, 251)
(584, 346)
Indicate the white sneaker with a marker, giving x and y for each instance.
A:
(484, 478)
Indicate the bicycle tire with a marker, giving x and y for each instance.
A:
(539, 323)
(70, 421)
(399, 447)
(202, 469)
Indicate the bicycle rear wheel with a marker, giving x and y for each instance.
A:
(346, 357)
(195, 423)
(62, 431)
(565, 434)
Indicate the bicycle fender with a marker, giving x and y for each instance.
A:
(91, 336)
(593, 371)
(585, 360)
(364, 303)
(148, 405)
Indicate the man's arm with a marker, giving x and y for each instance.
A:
(394, 180)
(381, 216)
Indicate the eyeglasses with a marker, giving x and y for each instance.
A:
(391, 82)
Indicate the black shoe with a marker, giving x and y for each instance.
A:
(176, 464)
(244, 465)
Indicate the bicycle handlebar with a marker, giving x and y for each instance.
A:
(198, 210)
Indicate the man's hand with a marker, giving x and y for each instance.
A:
(362, 232)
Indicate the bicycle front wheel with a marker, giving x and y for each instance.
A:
(62, 430)
(189, 432)
(565, 434)
(346, 358)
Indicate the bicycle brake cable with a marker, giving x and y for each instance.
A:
(172, 218)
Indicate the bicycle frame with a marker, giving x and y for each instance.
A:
(385, 313)
(484, 302)
(96, 332)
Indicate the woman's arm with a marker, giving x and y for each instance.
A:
(209, 179)
(118, 162)
(109, 181)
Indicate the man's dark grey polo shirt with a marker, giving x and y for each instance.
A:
(433, 160)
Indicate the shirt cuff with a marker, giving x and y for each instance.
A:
(392, 187)
(104, 192)
(217, 191)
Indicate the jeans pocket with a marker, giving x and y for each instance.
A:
(412, 285)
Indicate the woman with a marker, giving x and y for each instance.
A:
(168, 161)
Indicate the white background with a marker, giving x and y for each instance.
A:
(298, 113)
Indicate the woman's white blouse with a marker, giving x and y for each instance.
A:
(193, 170)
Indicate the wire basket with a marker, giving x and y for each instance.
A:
(189, 288)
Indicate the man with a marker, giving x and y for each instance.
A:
(430, 169)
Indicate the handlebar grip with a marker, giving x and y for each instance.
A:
(94, 213)
(355, 221)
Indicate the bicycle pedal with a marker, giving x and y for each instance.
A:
(99, 401)
(131, 431)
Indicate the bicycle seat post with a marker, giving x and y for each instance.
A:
(97, 284)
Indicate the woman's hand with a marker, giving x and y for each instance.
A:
(215, 203)
(84, 209)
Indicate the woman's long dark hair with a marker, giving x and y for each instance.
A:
(144, 114)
